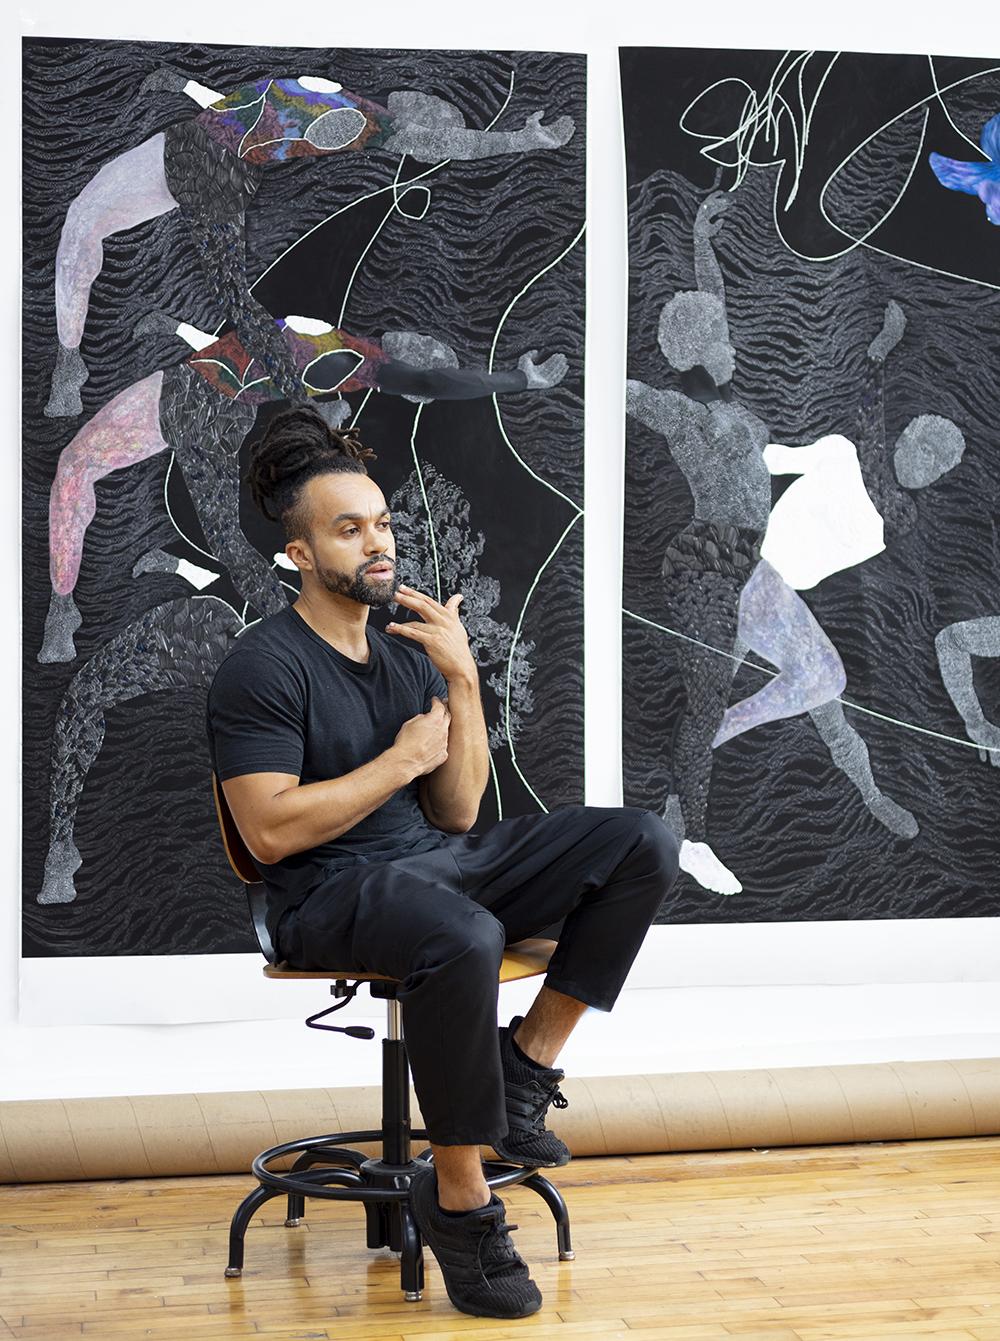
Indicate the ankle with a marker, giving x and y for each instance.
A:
(458, 1200)
(533, 1051)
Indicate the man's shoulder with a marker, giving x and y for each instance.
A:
(264, 651)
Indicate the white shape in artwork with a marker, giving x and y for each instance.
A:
(205, 97)
(198, 577)
(825, 521)
(308, 325)
(194, 337)
(700, 861)
(316, 85)
(283, 561)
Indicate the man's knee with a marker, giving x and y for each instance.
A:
(656, 835)
(477, 938)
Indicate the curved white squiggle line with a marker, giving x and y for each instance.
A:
(496, 785)
(766, 670)
(364, 402)
(173, 519)
(391, 186)
(944, 108)
(759, 113)
(371, 241)
(423, 494)
(510, 659)
(249, 131)
(862, 241)
(493, 349)
(745, 159)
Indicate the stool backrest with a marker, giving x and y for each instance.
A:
(237, 851)
(245, 868)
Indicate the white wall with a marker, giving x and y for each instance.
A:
(737, 996)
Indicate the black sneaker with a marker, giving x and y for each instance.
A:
(530, 1089)
(483, 1272)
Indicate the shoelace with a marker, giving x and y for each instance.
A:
(500, 1254)
(550, 1095)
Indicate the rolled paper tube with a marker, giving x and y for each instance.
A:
(53, 1140)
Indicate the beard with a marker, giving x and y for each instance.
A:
(359, 586)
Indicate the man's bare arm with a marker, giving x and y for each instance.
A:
(450, 796)
(277, 816)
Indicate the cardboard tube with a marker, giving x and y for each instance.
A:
(59, 1140)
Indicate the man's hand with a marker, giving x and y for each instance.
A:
(442, 632)
(423, 740)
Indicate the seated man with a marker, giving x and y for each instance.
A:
(354, 762)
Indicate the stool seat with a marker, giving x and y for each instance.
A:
(522, 959)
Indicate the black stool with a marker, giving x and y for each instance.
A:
(326, 1166)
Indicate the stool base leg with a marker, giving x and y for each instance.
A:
(553, 1198)
(244, 1213)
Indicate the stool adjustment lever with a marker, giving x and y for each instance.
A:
(354, 1030)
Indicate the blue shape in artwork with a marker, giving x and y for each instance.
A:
(976, 179)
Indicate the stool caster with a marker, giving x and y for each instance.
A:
(292, 1222)
(413, 1296)
(233, 1272)
(567, 1256)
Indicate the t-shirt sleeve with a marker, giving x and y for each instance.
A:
(434, 683)
(256, 717)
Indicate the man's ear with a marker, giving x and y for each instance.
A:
(298, 552)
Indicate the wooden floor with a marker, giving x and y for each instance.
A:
(868, 1242)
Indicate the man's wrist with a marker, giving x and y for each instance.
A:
(404, 766)
(467, 678)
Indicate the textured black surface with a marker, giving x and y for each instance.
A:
(792, 827)
(154, 879)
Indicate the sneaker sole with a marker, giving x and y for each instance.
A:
(541, 1164)
(422, 1206)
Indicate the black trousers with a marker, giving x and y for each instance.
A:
(439, 922)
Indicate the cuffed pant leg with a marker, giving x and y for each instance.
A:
(604, 869)
(605, 931)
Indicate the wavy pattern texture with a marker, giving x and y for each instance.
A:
(153, 879)
(781, 816)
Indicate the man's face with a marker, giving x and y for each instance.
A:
(351, 538)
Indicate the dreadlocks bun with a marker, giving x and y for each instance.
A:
(297, 444)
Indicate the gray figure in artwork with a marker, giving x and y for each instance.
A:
(173, 646)
(209, 167)
(956, 645)
(845, 506)
(731, 575)
(718, 445)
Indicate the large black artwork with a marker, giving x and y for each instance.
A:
(811, 589)
(211, 232)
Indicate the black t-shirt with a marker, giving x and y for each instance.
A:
(285, 701)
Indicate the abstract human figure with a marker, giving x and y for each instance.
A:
(975, 179)
(174, 645)
(721, 591)
(718, 444)
(824, 523)
(956, 645)
(203, 408)
(209, 167)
